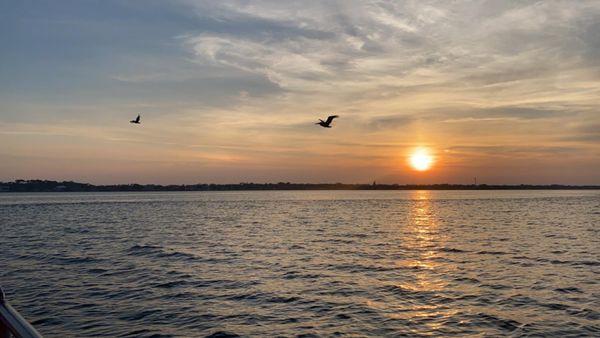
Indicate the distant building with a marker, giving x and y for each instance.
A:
(4, 188)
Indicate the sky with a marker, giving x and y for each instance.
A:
(229, 91)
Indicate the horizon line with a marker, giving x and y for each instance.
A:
(37, 185)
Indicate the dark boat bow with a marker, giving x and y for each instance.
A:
(12, 324)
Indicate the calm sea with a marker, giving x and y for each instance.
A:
(304, 263)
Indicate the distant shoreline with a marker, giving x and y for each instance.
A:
(68, 186)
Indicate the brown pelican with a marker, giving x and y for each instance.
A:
(136, 121)
(327, 124)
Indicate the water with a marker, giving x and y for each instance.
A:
(367, 263)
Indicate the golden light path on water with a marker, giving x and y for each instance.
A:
(422, 239)
(419, 238)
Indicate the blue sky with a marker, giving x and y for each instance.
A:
(229, 90)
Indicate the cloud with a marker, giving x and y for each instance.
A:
(514, 150)
(586, 133)
(509, 113)
(365, 45)
(390, 122)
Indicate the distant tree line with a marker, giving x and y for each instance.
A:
(70, 186)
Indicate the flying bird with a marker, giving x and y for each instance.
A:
(136, 121)
(327, 124)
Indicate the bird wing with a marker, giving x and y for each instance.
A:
(330, 118)
(137, 119)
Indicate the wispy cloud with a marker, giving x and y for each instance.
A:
(363, 45)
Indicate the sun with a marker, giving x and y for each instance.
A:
(421, 159)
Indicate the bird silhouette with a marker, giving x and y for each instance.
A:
(327, 124)
(136, 121)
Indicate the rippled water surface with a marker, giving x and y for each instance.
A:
(327, 263)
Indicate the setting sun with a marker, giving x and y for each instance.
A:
(421, 159)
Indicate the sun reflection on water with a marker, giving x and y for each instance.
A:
(422, 239)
